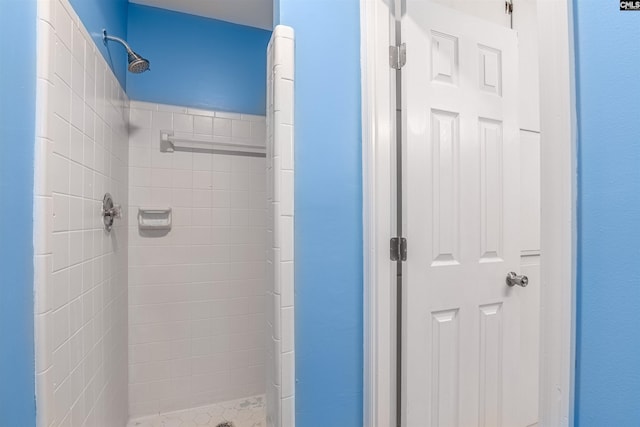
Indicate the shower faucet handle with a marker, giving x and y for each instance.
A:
(115, 211)
(110, 212)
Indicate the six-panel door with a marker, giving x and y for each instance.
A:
(461, 216)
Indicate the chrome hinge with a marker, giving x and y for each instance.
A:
(398, 249)
(398, 56)
(508, 7)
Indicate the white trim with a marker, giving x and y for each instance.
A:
(558, 200)
(558, 196)
(377, 138)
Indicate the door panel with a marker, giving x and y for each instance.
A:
(530, 192)
(490, 10)
(461, 216)
(530, 341)
(530, 265)
(525, 21)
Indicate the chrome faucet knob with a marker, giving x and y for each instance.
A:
(110, 212)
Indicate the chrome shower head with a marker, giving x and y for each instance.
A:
(137, 64)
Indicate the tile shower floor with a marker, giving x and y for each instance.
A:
(246, 412)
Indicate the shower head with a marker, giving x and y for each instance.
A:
(137, 64)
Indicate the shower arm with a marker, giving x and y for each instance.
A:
(106, 37)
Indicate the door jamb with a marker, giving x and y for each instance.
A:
(378, 135)
(558, 212)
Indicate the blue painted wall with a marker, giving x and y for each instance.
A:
(198, 62)
(17, 138)
(328, 204)
(111, 15)
(608, 338)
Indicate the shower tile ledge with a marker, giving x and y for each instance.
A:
(245, 412)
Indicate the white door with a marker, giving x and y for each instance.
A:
(461, 211)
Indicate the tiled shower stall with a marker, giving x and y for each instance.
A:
(197, 293)
(137, 323)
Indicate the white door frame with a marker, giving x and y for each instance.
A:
(558, 200)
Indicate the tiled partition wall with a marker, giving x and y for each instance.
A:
(197, 293)
(81, 275)
(280, 158)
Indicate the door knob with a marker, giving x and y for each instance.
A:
(513, 279)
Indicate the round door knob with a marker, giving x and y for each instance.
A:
(515, 280)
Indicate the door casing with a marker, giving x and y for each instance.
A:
(558, 210)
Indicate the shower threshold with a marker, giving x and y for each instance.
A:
(245, 412)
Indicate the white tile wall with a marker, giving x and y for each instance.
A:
(280, 263)
(196, 294)
(81, 276)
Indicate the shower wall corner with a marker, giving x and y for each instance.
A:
(280, 193)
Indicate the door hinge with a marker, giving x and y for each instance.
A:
(508, 7)
(398, 56)
(398, 249)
